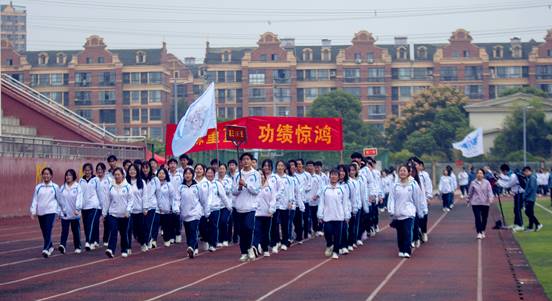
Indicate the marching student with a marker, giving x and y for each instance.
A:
(204, 193)
(233, 230)
(376, 195)
(176, 180)
(550, 185)
(530, 198)
(280, 196)
(117, 212)
(312, 196)
(280, 219)
(126, 164)
(356, 202)
(405, 202)
(387, 182)
(154, 165)
(71, 196)
(416, 232)
(347, 194)
(185, 161)
(542, 181)
(246, 187)
(138, 195)
(216, 201)
(510, 180)
(463, 181)
(226, 181)
(297, 205)
(446, 188)
(266, 206)
(302, 219)
(91, 207)
(361, 217)
(112, 162)
(427, 187)
(105, 182)
(165, 195)
(480, 196)
(318, 170)
(46, 205)
(454, 184)
(333, 211)
(151, 218)
(189, 206)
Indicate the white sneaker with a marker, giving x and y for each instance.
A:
(377, 229)
(196, 251)
(45, 253)
(359, 243)
(61, 249)
(50, 251)
(451, 206)
(251, 254)
(153, 244)
(190, 252)
(266, 254)
(284, 247)
(167, 243)
(479, 236)
(171, 241)
(401, 254)
(350, 248)
(328, 252)
(92, 246)
(412, 245)
(517, 228)
(105, 244)
(406, 255)
(319, 233)
(372, 233)
(87, 247)
(178, 239)
(275, 250)
(243, 258)
(109, 253)
(444, 209)
(96, 245)
(78, 251)
(417, 243)
(259, 249)
(124, 254)
(212, 249)
(335, 256)
(345, 251)
(225, 243)
(205, 246)
(539, 227)
(381, 210)
(425, 237)
(355, 246)
(219, 245)
(483, 234)
(144, 248)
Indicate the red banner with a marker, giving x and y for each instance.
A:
(275, 133)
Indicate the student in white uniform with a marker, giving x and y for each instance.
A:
(151, 219)
(117, 212)
(225, 213)
(319, 171)
(139, 195)
(216, 201)
(333, 212)
(91, 207)
(112, 162)
(46, 205)
(232, 225)
(356, 202)
(297, 205)
(105, 182)
(71, 195)
(463, 181)
(247, 186)
(266, 206)
(427, 187)
(204, 194)
(280, 218)
(446, 188)
(166, 195)
(405, 202)
(302, 219)
(176, 180)
(348, 193)
(190, 207)
(312, 197)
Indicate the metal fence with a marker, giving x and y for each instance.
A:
(57, 149)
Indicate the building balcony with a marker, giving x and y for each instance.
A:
(83, 102)
(449, 78)
(375, 79)
(377, 97)
(108, 101)
(475, 95)
(376, 116)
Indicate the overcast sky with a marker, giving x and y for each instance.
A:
(186, 25)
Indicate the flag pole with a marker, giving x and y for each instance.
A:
(217, 133)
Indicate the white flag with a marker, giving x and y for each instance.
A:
(200, 116)
(471, 145)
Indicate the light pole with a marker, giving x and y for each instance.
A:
(525, 134)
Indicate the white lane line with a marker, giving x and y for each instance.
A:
(272, 292)
(543, 208)
(293, 280)
(18, 250)
(26, 260)
(197, 281)
(52, 272)
(398, 266)
(479, 272)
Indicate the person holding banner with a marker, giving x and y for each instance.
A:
(246, 188)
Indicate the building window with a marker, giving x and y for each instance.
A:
(135, 114)
(257, 111)
(9, 62)
(107, 79)
(376, 112)
(449, 74)
(300, 111)
(43, 59)
(281, 76)
(402, 53)
(101, 60)
(155, 114)
(498, 52)
(60, 58)
(145, 115)
(421, 52)
(140, 57)
(377, 92)
(239, 112)
(456, 54)
(86, 114)
(473, 73)
(516, 52)
(474, 91)
(326, 55)
(156, 133)
(155, 78)
(82, 79)
(82, 98)
(230, 113)
(351, 75)
(466, 53)
(307, 55)
(263, 58)
(56, 79)
(221, 95)
(275, 57)
(226, 57)
(358, 57)
(155, 96)
(88, 60)
(126, 116)
(106, 97)
(544, 72)
(282, 94)
(257, 77)
(353, 91)
(282, 111)
(108, 116)
(376, 74)
(257, 94)
(221, 77)
(509, 72)
(135, 131)
(549, 52)
(405, 92)
(370, 57)
(221, 113)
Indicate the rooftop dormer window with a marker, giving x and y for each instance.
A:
(140, 57)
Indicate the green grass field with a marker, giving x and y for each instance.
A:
(537, 246)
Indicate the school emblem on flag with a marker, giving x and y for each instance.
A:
(472, 145)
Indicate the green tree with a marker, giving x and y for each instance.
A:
(348, 108)
(400, 156)
(526, 90)
(430, 123)
(538, 131)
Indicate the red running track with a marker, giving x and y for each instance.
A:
(453, 265)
